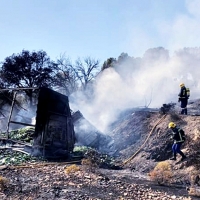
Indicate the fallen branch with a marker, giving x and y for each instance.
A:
(15, 141)
(15, 149)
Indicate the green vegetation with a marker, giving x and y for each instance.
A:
(23, 134)
(8, 157)
(80, 150)
(12, 157)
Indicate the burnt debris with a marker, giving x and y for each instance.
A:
(88, 135)
(166, 108)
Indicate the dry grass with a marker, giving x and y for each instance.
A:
(162, 173)
(72, 169)
(3, 183)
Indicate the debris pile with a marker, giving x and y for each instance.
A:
(87, 135)
(101, 160)
(166, 108)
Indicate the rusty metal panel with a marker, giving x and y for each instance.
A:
(54, 131)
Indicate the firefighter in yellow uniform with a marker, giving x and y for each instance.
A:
(183, 98)
(179, 138)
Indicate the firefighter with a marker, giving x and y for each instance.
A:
(179, 138)
(183, 98)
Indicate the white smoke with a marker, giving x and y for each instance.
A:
(153, 83)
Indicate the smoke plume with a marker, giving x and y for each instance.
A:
(156, 79)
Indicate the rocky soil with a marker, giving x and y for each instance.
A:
(53, 182)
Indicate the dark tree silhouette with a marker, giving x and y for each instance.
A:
(155, 54)
(27, 69)
(65, 77)
(110, 62)
(86, 70)
(76, 76)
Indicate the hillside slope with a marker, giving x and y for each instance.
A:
(132, 139)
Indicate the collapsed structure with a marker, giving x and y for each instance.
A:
(88, 135)
(57, 129)
(54, 131)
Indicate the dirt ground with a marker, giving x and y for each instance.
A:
(53, 182)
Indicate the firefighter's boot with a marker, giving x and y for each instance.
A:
(183, 156)
(182, 112)
(186, 111)
(174, 157)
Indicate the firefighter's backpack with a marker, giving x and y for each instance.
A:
(182, 134)
(188, 92)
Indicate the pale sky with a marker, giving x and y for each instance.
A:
(97, 28)
(102, 29)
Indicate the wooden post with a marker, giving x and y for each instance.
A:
(11, 110)
(25, 124)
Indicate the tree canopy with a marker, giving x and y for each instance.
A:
(76, 76)
(27, 69)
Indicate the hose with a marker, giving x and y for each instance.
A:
(129, 159)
